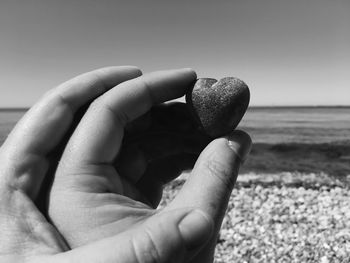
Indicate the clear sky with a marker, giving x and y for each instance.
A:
(289, 52)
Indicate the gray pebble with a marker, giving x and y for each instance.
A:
(218, 106)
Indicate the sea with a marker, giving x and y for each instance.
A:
(297, 124)
(285, 139)
(270, 125)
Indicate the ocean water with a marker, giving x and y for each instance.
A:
(310, 125)
(269, 125)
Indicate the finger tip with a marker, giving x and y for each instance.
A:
(126, 68)
(190, 73)
(241, 143)
(133, 69)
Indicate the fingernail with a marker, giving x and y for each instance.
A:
(241, 143)
(196, 228)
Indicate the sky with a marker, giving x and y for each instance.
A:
(288, 52)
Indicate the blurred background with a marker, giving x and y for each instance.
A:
(291, 201)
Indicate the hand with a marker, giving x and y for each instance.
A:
(100, 204)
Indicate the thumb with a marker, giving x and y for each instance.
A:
(170, 236)
(211, 181)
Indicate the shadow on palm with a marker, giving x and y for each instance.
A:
(98, 200)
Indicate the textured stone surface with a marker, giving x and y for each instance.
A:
(218, 106)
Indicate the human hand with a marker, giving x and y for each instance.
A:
(26, 161)
(93, 206)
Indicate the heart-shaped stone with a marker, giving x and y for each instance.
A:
(218, 106)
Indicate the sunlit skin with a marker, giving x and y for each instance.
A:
(82, 173)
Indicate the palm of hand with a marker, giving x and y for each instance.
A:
(96, 201)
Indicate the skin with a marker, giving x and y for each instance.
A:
(82, 173)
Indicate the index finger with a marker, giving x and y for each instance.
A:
(24, 153)
(103, 124)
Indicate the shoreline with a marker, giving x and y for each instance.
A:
(313, 181)
(329, 158)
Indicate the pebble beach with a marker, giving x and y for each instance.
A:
(287, 217)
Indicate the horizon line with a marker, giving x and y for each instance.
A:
(253, 106)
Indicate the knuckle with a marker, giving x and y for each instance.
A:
(50, 96)
(64, 102)
(98, 81)
(55, 98)
(101, 105)
(96, 104)
(49, 93)
(220, 171)
(146, 86)
(145, 249)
